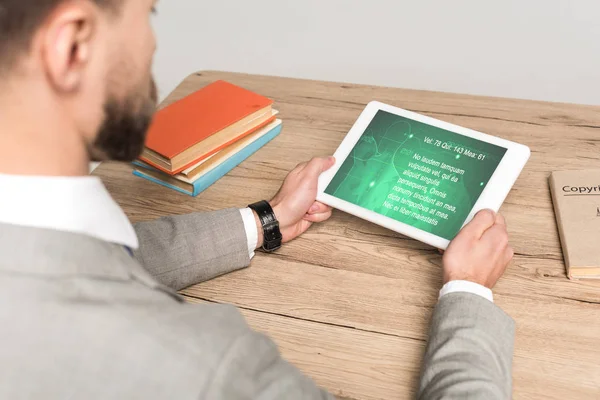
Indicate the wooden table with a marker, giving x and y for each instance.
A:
(350, 302)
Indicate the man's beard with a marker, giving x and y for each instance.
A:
(123, 132)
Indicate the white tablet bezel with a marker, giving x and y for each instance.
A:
(492, 197)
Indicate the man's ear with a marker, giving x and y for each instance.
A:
(67, 41)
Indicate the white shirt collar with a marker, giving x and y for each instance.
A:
(73, 204)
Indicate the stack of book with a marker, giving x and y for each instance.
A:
(195, 141)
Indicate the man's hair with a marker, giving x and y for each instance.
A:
(19, 19)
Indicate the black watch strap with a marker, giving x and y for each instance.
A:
(271, 233)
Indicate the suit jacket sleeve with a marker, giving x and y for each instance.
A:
(180, 251)
(470, 350)
(254, 369)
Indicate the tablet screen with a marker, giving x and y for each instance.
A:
(415, 173)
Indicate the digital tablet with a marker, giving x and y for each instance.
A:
(417, 175)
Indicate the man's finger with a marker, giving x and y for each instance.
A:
(500, 219)
(318, 208)
(318, 217)
(496, 237)
(482, 221)
(318, 165)
(508, 254)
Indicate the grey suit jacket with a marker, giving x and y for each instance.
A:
(83, 319)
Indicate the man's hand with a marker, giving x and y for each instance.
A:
(480, 252)
(295, 204)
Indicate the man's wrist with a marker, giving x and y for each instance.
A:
(462, 276)
(259, 230)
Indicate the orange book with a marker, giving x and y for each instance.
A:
(201, 124)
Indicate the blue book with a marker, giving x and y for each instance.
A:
(202, 182)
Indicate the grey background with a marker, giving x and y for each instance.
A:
(531, 49)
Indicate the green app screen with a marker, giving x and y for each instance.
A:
(415, 173)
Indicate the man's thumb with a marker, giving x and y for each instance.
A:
(318, 165)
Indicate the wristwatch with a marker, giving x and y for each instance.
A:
(271, 233)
